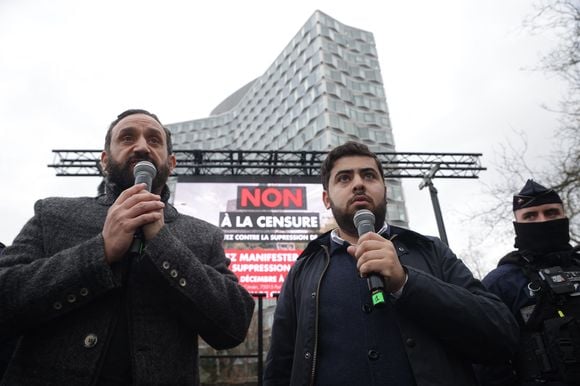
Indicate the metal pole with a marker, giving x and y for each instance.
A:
(438, 215)
(260, 338)
(427, 181)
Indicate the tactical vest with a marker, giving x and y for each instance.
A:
(549, 351)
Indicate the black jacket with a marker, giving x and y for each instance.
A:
(59, 294)
(447, 319)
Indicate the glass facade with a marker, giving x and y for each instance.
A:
(324, 89)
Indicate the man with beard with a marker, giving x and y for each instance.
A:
(88, 310)
(436, 320)
(539, 283)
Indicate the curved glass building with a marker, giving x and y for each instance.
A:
(323, 89)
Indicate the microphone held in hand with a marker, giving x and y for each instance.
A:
(144, 172)
(364, 221)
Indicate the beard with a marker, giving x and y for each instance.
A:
(122, 174)
(344, 218)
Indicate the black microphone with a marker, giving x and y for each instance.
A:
(364, 221)
(144, 172)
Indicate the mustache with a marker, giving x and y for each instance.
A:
(358, 197)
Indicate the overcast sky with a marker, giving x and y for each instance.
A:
(456, 74)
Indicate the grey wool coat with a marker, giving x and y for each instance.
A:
(58, 293)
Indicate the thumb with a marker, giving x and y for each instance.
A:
(351, 249)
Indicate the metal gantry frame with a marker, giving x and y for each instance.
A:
(222, 165)
(244, 165)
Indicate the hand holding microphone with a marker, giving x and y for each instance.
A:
(135, 209)
(376, 257)
(144, 172)
(364, 221)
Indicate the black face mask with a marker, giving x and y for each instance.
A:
(546, 236)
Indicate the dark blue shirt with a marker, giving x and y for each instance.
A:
(358, 344)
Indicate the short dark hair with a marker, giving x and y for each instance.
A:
(350, 148)
(126, 113)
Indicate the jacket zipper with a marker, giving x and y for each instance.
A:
(315, 351)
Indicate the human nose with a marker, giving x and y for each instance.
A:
(357, 182)
(141, 145)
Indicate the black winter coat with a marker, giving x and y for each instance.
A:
(447, 318)
(58, 293)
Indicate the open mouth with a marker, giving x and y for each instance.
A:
(359, 199)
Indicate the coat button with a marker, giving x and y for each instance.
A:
(367, 308)
(90, 341)
(84, 292)
(173, 273)
(182, 282)
(165, 265)
(373, 355)
(410, 342)
(71, 298)
(307, 355)
(57, 305)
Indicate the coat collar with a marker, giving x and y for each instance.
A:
(403, 237)
(112, 192)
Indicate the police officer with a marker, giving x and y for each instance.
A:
(540, 283)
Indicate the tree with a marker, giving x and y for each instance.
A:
(562, 18)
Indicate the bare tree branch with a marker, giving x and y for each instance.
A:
(561, 18)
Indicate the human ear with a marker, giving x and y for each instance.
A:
(104, 161)
(326, 199)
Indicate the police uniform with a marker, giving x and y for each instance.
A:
(540, 283)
